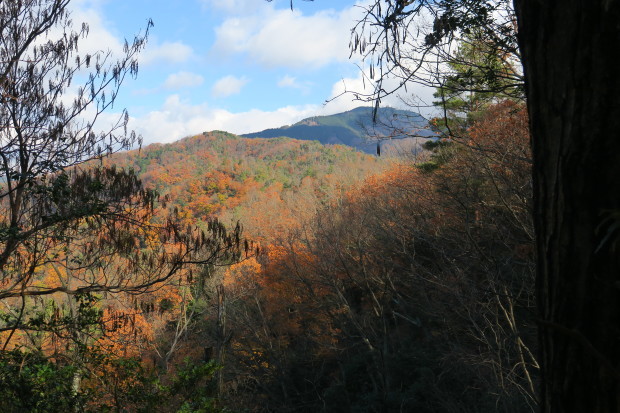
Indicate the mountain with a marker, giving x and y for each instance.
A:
(393, 128)
(218, 173)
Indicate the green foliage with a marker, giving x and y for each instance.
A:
(479, 74)
(34, 383)
(442, 151)
(427, 167)
(194, 383)
(129, 386)
(29, 382)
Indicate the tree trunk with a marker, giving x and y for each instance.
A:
(570, 54)
(221, 336)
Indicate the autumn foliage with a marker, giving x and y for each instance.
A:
(364, 283)
(411, 290)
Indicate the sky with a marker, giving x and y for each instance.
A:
(235, 65)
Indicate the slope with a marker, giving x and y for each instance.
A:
(218, 173)
(393, 127)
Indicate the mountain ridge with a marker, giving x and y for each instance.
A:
(393, 129)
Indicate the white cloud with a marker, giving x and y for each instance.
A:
(228, 85)
(177, 119)
(416, 97)
(99, 38)
(171, 52)
(234, 7)
(290, 39)
(183, 79)
(292, 83)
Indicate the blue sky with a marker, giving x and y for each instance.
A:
(234, 65)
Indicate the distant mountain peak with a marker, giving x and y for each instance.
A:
(356, 128)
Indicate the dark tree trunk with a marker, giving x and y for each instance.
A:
(570, 52)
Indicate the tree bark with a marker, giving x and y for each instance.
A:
(570, 54)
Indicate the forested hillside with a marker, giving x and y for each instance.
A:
(217, 174)
(223, 272)
(378, 285)
(412, 291)
(342, 281)
(474, 270)
(215, 197)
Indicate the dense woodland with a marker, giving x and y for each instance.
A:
(221, 273)
(372, 284)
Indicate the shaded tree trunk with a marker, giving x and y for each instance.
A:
(222, 336)
(570, 59)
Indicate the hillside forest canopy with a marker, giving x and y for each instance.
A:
(474, 271)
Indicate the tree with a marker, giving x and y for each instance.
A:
(459, 46)
(571, 88)
(42, 136)
(70, 228)
(475, 77)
